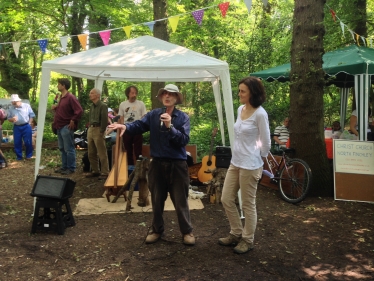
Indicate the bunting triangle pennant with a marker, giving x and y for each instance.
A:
(150, 25)
(43, 45)
(198, 16)
(342, 27)
(333, 15)
(265, 2)
(127, 30)
(64, 42)
(353, 36)
(358, 42)
(224, 7)
(174, 23)
(363, 40)
(248, 3)
(16, 47)
(83, 40)
(105, 36)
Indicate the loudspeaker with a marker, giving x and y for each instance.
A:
(53, 187)
(223, 156)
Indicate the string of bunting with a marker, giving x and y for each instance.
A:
(368, 42)
(198, 15)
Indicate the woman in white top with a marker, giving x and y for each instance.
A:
(353, 125)
(251, 144)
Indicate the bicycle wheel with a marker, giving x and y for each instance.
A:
(294, 180)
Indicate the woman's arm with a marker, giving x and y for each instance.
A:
(352, 124)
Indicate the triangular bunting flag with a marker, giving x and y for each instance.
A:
(43, 44)
(174, 23)
(353, 36)
(363, 40)
(248, 3)
(333, 14)
(358, 42)
(64, 42)
(83, 40)
(16, 47)
(342, 26)
(127, 30)
(105, 36)
(224, 7)
(150, 25)
(198, 16)
(265, 2)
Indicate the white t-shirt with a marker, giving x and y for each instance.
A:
(354, 113)
(131, 111)
(252, 140)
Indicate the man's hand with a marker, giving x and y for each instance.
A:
(71, 125)
(118, 126)
(13, 119)
(166, 118)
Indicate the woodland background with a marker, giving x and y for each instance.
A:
(267, 36)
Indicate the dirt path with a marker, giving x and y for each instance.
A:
(319, 239)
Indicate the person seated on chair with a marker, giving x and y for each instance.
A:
(336, 129)
(282, 134)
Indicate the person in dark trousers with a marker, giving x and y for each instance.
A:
(67, 112)
(168, 172)
(98, 118)
(21, 115)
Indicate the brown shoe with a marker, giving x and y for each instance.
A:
(152, 238)
(189, 239)
(230, 240)
(93, 175)
(243, 247)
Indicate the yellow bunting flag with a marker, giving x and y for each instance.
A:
(358, 43)
(174, 23)
(127, 29)
(83, 40)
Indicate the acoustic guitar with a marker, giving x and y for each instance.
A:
(208, 163)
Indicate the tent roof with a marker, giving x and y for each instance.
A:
(144, 58)
(342, 64)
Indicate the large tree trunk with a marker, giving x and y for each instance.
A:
(159, 31)
(306, 95)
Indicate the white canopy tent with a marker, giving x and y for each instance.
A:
(142, 59)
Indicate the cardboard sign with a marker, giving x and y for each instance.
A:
(355, 157)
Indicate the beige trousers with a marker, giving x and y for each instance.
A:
(246, 181)
(96, 147)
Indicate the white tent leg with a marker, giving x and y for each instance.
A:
(217, 98)
(362, 101)
(344, 92)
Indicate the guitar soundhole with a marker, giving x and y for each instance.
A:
(209, 163)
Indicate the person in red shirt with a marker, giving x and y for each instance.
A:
(68, 112)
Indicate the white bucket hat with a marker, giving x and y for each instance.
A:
(110, 110)
(171, 89)
(14, 97)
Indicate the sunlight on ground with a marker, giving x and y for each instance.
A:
(325, 271)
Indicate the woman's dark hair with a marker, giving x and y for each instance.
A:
(128, 89)
(65, 82)
(256, 90)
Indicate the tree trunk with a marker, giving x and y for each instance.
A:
(159, 31)
(306, 93)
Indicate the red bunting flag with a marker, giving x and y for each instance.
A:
(333, 14)
(224, 7)
(105, 36)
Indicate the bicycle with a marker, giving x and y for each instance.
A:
(292, 175)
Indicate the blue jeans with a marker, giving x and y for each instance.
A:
(22, 133)
(66, 145)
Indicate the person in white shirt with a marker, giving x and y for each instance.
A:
(251, 144)
(282, 133)
(130, 111)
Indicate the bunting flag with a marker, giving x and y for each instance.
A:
(127, 30)
(342, 27)
(174, 23)
(352, 33)
(224, 7)
(150, 25)
(198, 16)
(358, 43)
(83, 40)
(105, 36)
(43, 45)
(333, 14)
(363, 40)
(64, 42)
(248, 3)
(265, 2)
(16, 47)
